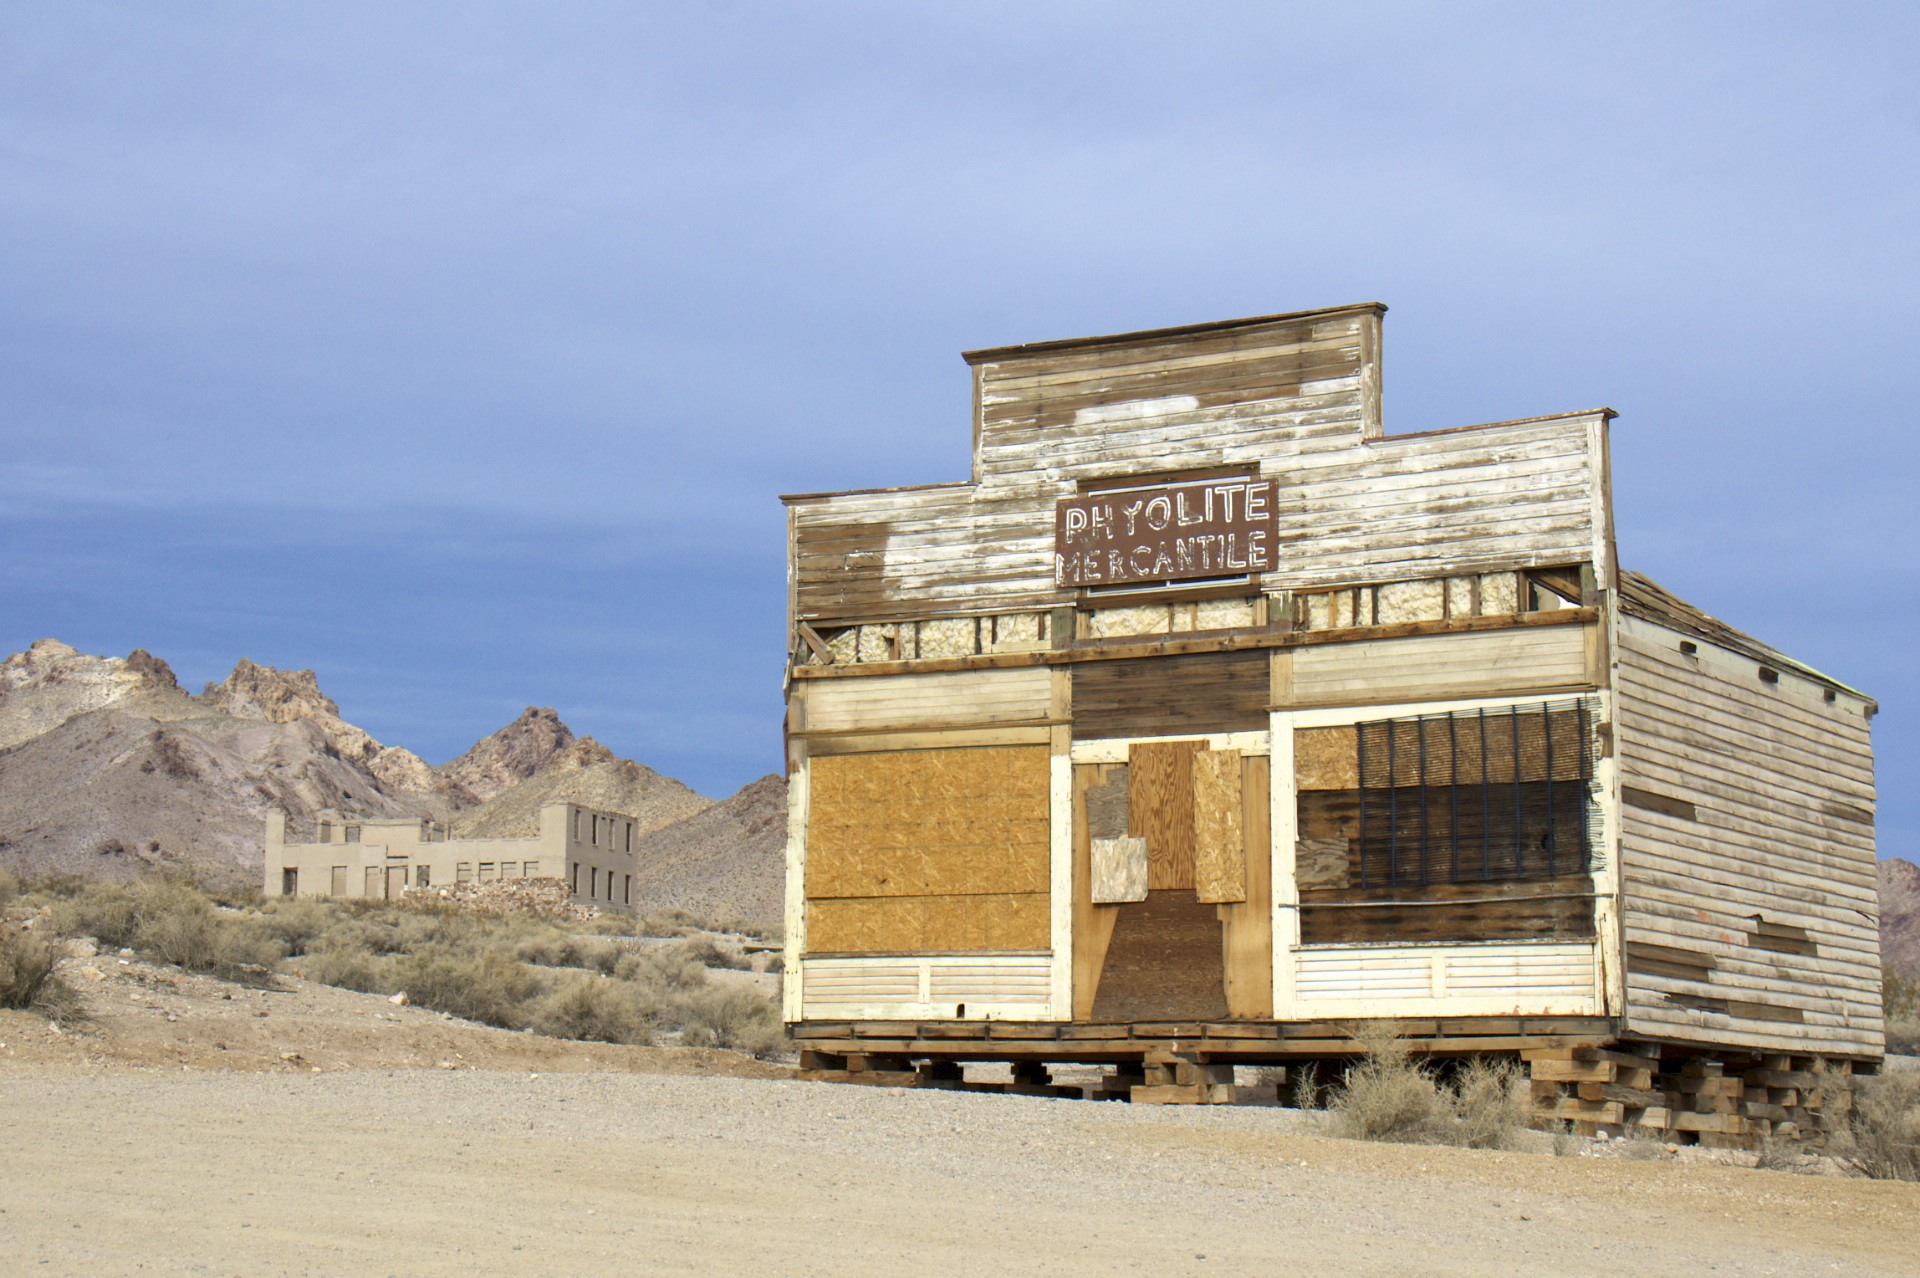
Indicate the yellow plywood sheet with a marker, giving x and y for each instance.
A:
(1160, 809)
(1219, 856)
(917, 850)
(1325, 759)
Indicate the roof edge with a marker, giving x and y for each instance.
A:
(989, 353)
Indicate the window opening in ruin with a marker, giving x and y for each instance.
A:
(338, 885)
(573, 878)
(533, 869)
(626, 889)
(289, 882)
(486, 872)
(463, 872)
(422, 876)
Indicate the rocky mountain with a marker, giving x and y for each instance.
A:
(1900, 915)
(109, 767)
(503, 759)
(727, 862)
(584, 771)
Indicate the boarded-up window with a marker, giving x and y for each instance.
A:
(928, 850)
(1471, 825)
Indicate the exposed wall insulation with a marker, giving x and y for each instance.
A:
(924, 850)
(963, 699)
(1144, 619)
(1160, 808)
(1219, 862)
(1119, 870)
(1782, 790)
(1438, 667)
(1170, 696)
(1410, 601)
(948, 637)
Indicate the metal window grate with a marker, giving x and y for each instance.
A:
(1477, 795)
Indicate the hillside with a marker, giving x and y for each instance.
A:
(1900, 915)
(108, 767)
(583, 772)
(727, 862)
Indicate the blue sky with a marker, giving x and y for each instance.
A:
(460, 351)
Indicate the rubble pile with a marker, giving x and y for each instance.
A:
(546, 898)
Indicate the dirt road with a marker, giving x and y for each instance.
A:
(118, 1170)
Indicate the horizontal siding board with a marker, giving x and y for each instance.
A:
(897, 702)
(1438, 667)
(1764, 768)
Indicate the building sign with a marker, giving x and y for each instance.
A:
(1169, 532)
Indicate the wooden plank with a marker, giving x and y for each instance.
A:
(1160, 809)
(1220, 861)
(1092, 927)
(1169, 696)
(1248, 925)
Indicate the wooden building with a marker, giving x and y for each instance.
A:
(1206, 719)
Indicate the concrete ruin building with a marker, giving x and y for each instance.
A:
(592, 851)
(1206, 719)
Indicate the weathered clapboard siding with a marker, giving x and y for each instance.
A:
(1437, 667)
(1374, 509)
(1766, 767)
(1168, 696)
(895, 702)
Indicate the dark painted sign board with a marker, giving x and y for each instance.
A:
(1168, 532)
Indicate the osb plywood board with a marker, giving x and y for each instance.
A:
(919, 850)
(1119, 870)
(1219, 860)
(928, 924)
(1160, 808)
(1325, 759)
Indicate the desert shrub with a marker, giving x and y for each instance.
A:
(668, 923)
(349, 966)
(596, 1009)
(775, 963)
(171, 920)
(177, 924)
(486, 986)
(662, 968)
(1900, 994)
(1303, 1085)
(107, 911)
(1487, 1098)
(562, 949)
(298, 921)
(735, 1016)
(27, 960)
(1387, 1095)
(704, 951)
(613, 925)
(9, 886)
(1883, 1132)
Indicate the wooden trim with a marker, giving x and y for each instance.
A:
(1233, 641)
(926, 739)
(871, 492)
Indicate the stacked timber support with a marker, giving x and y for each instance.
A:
(1733, 1101)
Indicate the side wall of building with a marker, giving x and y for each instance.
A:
(1747, 851)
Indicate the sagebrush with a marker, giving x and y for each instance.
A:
(1391, 1096)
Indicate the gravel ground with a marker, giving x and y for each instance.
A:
(125, 1170)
